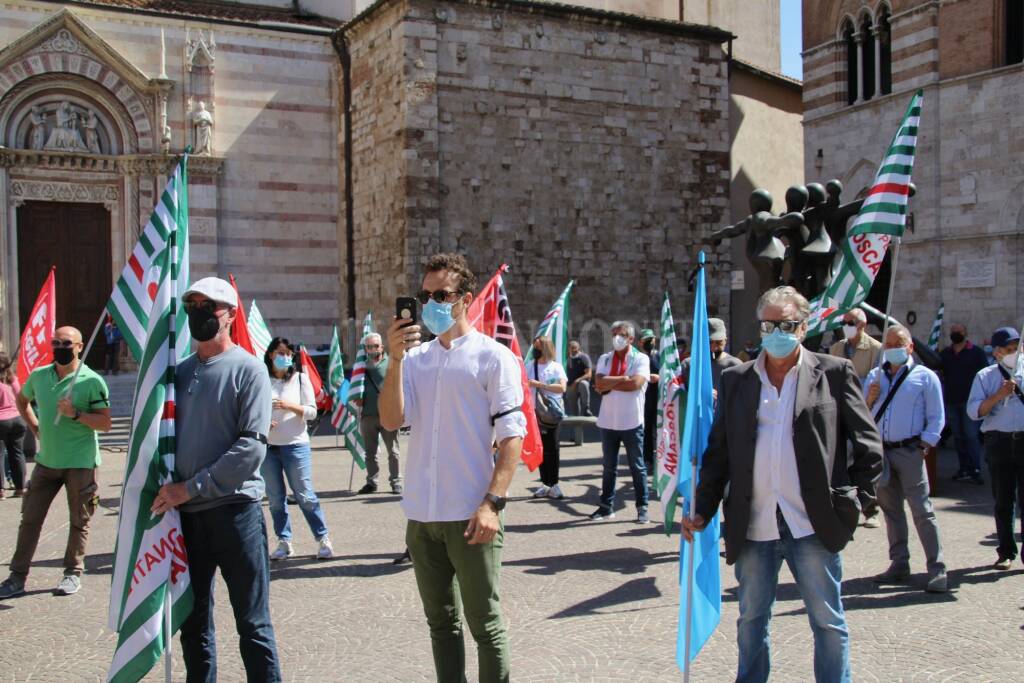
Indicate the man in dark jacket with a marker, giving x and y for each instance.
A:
(961, 361)
(793, 491)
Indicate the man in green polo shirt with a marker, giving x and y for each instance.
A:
(70, 412)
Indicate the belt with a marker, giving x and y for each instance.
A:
(912, 441)
(1012, 436)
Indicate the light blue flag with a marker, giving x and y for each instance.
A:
(341, 396)
(702, 585)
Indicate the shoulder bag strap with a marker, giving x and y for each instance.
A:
(892, 393)
(1006, 375)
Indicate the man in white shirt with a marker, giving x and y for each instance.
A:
(460, 394)
(622, 377)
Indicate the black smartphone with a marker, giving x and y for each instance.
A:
(405, 309)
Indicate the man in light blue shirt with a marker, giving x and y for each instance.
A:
(997, 401)
(910, 422)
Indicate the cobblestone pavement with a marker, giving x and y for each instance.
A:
(585, 601)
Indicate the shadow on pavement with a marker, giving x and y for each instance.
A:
(94, 564)
(614, 560)
(312, 568)
(628, 593)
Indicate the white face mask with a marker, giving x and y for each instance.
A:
(849, 331)
(620, 342)
(1009, 361)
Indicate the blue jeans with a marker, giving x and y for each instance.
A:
(232, 538)
(819, 575)
(633, 440)
(295, 463)
(966, 436)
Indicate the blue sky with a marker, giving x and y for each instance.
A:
(792, 64)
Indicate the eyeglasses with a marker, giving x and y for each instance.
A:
(850, 323)
(208, 305)
(195, 380)
(440, 296)
(786, 326)
(61, 343)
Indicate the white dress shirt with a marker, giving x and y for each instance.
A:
(450, 397)
(776, 480)
(622, 410)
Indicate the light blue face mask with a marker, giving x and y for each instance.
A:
(897, 356)
(438, 317)
(779, 344)
(282, 362)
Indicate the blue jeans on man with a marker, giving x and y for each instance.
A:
(232, 538)
(819, 576)
(294, 463)
(633, 440)
(966, 437)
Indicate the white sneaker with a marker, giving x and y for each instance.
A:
(540, 491)
(283, 551)
(556, 492)
(326, 550)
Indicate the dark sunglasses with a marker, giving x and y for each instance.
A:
(850, 323)
(61, 343)
(786, 326)
(440, 296)
(209, 305)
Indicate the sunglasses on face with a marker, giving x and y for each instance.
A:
(786, 326)
(850, 323)
(62, 343)
(208, 305)
(439, 296)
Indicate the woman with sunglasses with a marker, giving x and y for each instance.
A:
(288, 454)
(12, 427)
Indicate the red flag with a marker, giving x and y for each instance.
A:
(239, 328)
(35, 350)
(323, 399)
(490, 314)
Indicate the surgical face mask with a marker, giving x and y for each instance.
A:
(1009, 361)
(897, 356)
(849, 331)
(282, 362)
(64, 355)
(780, 344)
(202, 325)
(988, 349)
(956, 337)
(438, 317)
(619, 343)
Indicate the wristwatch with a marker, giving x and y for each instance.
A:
(497, 501)
(78, 414)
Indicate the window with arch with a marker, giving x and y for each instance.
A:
(868, 47)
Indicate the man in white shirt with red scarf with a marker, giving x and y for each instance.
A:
(622, 377)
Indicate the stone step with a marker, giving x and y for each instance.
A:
(117, 437)
(122, 393)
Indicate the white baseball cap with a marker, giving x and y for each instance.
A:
(214, 288)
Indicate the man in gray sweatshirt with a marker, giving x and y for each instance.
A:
(223, 406)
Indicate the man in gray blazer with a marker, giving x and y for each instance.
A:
(779, 441)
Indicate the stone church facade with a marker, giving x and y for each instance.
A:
(862, 62)
(334, 153)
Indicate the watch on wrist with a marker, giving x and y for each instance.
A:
(78, 414)
(497, 501)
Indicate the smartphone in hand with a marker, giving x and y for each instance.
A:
(405, 309)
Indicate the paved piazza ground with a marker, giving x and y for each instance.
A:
(584, 601)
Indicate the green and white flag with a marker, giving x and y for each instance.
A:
(882, 216)
(556, 326)
(345, 418)
(358, 386)
(933, 338)
(150, 593)
(671, 409)
(335, 364)
(259, 333)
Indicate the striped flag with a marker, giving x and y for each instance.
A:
(358, 380)
(345, 418)
(556, 325)
(335, 364)
(671, 398)
(259, 333)
(933, 338)
(132, 300)
(882, 216)
(150, 568)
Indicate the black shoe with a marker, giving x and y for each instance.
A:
(896, 573)
(961, 476)
(975, 478)
(601, 514)
(405, 558)
(369, 488)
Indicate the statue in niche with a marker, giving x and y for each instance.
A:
(92, 139)
(765, 250)
(65, 136)
(202, 122)
(37, 128)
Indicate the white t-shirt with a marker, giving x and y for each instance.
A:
(551, 372)
(622, 410)
(291, 428)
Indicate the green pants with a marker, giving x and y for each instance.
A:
(447, 567)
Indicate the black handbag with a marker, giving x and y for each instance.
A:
(549, 413)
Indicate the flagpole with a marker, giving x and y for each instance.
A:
(892, 289)
(689, 575)
(168, 655)
(81, 359)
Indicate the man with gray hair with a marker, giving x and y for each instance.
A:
(369, 420)
(622, 376)
(858, 347)
(779, 442)
(910, 417)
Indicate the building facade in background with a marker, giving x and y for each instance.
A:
(862, 62)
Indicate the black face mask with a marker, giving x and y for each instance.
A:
(536, 353)
(63, 355)
(203, 325)
(716, 354)
(956, 337)
(648, 345)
